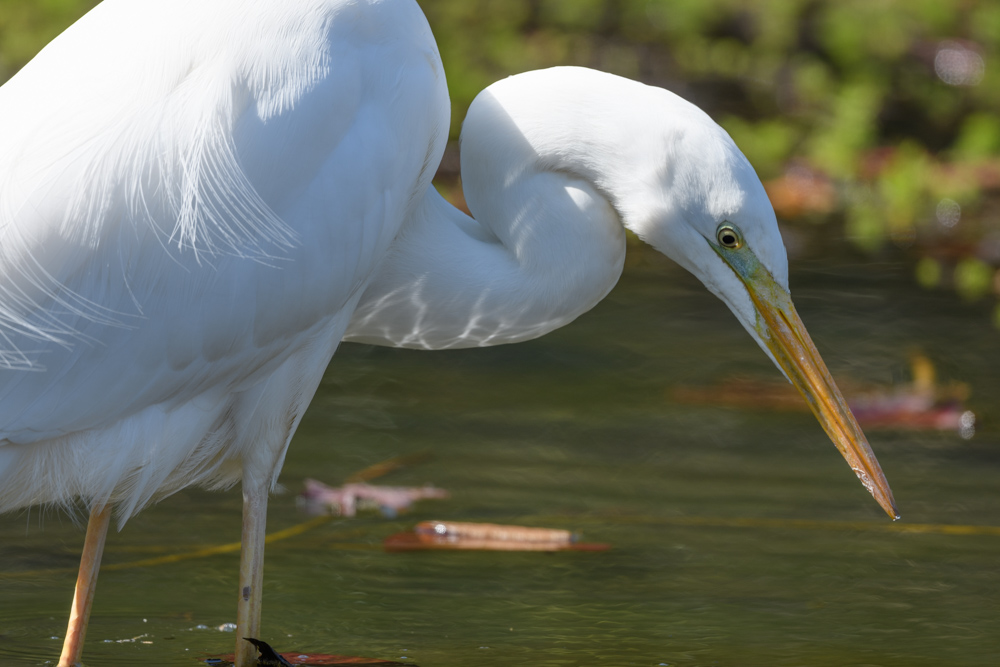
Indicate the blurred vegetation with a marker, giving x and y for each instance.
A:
(875, 117)
(28, 25)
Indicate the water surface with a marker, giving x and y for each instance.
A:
(577, 430)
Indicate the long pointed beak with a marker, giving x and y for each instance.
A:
(789, 342)
(785, 335)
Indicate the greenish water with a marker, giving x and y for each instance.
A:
(577, 430)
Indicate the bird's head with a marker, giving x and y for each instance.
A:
(713, 217)
(677, 179)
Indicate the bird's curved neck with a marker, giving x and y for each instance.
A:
(553, 167)
(551, 253)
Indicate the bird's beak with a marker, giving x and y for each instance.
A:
(784, 334)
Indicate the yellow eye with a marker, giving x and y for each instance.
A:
(729, 236)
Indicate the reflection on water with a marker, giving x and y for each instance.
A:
(739, 536)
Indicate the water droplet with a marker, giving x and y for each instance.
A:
(949, 212)
(958, 65)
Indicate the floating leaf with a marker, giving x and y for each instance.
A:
(458, 535)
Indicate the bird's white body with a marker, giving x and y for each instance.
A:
(183, 240)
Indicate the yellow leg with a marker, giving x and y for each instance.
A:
(86, 584)
(251, 570)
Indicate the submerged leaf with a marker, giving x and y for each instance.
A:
(271, 658)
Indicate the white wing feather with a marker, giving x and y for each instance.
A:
(192, 196)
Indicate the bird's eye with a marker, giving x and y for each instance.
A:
(729, 237)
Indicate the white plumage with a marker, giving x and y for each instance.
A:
(190, 210)
(199, 199)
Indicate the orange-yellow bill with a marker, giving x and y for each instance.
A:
(783, 333)
(792, 347)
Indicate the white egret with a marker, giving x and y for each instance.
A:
(199, 199)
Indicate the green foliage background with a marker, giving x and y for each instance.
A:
(845, 91)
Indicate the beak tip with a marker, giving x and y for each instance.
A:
(885, 500)
(890, 509)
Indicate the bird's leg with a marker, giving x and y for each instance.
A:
(251, 568)
(86, 584)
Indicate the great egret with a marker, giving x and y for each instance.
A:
(199, 199)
